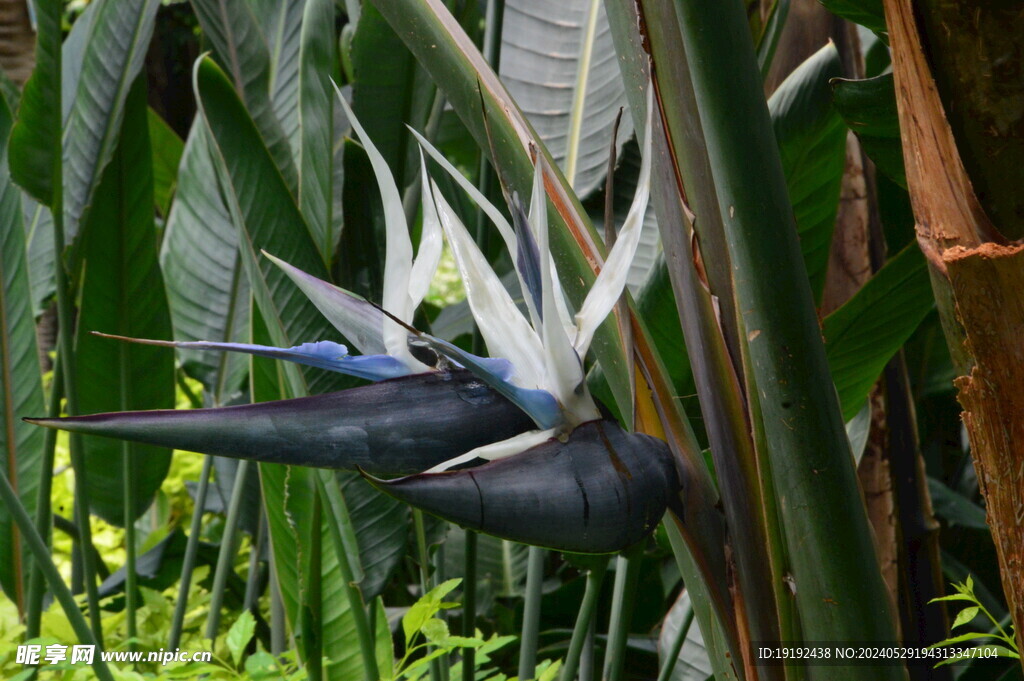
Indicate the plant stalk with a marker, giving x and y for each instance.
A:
(627, 575)
(66, 349)
(584, 620)
(191, 551)
(228, 548)
(45, 565)
(469, 604)
(44, 510)
(531, 613)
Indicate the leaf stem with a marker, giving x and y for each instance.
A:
(531, 613)
(44, 564)
(584, 619)
(469, 604)
(227, 549)
(44, 510)
(66, 350)
(191, 551)
(626, 576)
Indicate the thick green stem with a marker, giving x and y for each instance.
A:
(44, 564)
(131, 573)
(840, 594)
(531, 613)
(66, 349)
(469, 605)
(191, 551)
(627, 574)
(44, 511)
(228, 548)
(332, 496)
(584, 620)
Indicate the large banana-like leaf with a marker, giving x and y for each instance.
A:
(265, 215)
(35, 146)
(21, 386)
(559, 63)
(396, 427)
(38, 220)
(866, 331)
(206, 288)
(167, 151)
(600, 491)
(114, 52)
(241, 49)
(282, 25)
(316, 125)
(123, 292)
(812, 144)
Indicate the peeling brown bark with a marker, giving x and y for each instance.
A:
(988, 283)
(979, 285)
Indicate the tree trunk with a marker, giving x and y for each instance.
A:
(977, 276)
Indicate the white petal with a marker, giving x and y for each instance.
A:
(431, 241)
(564, 368)
(612, 278)
(508, 234)
(398, 256)
(499, 450)
(502, 325)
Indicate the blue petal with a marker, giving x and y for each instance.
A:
(539, 405)
(528, 256)
(323, 354)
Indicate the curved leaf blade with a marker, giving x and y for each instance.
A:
(34, 148)
(123, 292)
(241, 49)
(559, 63)
(114, 53)
(812, 144)
(21, 388)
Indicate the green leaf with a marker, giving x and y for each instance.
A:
(863, 334)
(812, 144)
(114, 53)
(239, 635)
(268, 219)
(123, 294)
(955, 507)
(241, 49)
(867, 13)
(387, 93)
(206, 288)
(316, 125)
(381, 528)
(965, 616)
(282, 24)
(35, 145)
(558, 62)
(869, 109)
(436, 631)
(167, 150)
(21, 388)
